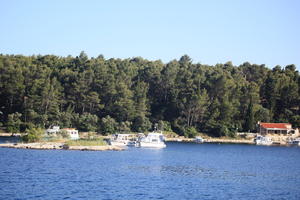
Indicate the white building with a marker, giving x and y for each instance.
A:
(72, 132)
(53, 130)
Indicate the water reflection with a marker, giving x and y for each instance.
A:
(9, 139)
(191, 171)
(180, 171)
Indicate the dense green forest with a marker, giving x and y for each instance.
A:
(108, 95)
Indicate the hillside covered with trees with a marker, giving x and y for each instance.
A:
(108, 95)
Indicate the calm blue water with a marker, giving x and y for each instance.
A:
(180, 171)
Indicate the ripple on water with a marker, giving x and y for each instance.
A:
(180, 171)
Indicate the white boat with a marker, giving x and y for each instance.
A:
(152, 140)
(295, 141)
(262, 140)
(122, 140)
(199, 139)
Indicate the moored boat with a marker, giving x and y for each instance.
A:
(122, 140)
(263, 140)
(295, 141)
(152, 140)
(199, 139)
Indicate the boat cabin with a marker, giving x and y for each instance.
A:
(122, 140)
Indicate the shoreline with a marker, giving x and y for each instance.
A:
(213, 140)
(59, 146)
(62, 146)
(227, 141)
(10, 134)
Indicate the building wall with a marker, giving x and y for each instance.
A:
(73, 134)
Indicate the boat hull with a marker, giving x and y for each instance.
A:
(114, 143)
(151, 145)
(261, 140)
(122, 143)
(264, 143)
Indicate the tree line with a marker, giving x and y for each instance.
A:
(109, 95)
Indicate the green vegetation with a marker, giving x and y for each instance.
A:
(190, 132)
(34, 135)
(109, 95)
(86, 142)
(14, 122)
(63, 134)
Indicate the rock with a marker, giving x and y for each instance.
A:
(65, 146)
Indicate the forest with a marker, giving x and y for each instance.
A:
(135, 94)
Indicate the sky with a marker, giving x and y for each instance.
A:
(209, 31)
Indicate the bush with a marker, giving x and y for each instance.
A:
(164, 126)
(86, 122)
(64, 134)
(14, 122)
(108, 125)
(190, 132)
(220, 130)
(178, 126)
(141, 124)
(24, 126)
(34, 135)
(124, 126)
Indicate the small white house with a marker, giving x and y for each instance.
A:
(53, 130)
(73, 133)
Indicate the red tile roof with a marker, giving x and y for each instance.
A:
(276, 125)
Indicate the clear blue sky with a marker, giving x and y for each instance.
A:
(210, 32)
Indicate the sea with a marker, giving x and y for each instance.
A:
(179, 171)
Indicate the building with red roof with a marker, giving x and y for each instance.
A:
(275, 128)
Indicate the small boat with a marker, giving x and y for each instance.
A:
(199, 139)
(152, 140)
(262, 140)
(295, 141)
(122, 140)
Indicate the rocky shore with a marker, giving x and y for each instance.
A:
(58, 145)
(213, 140)
(232, 141)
